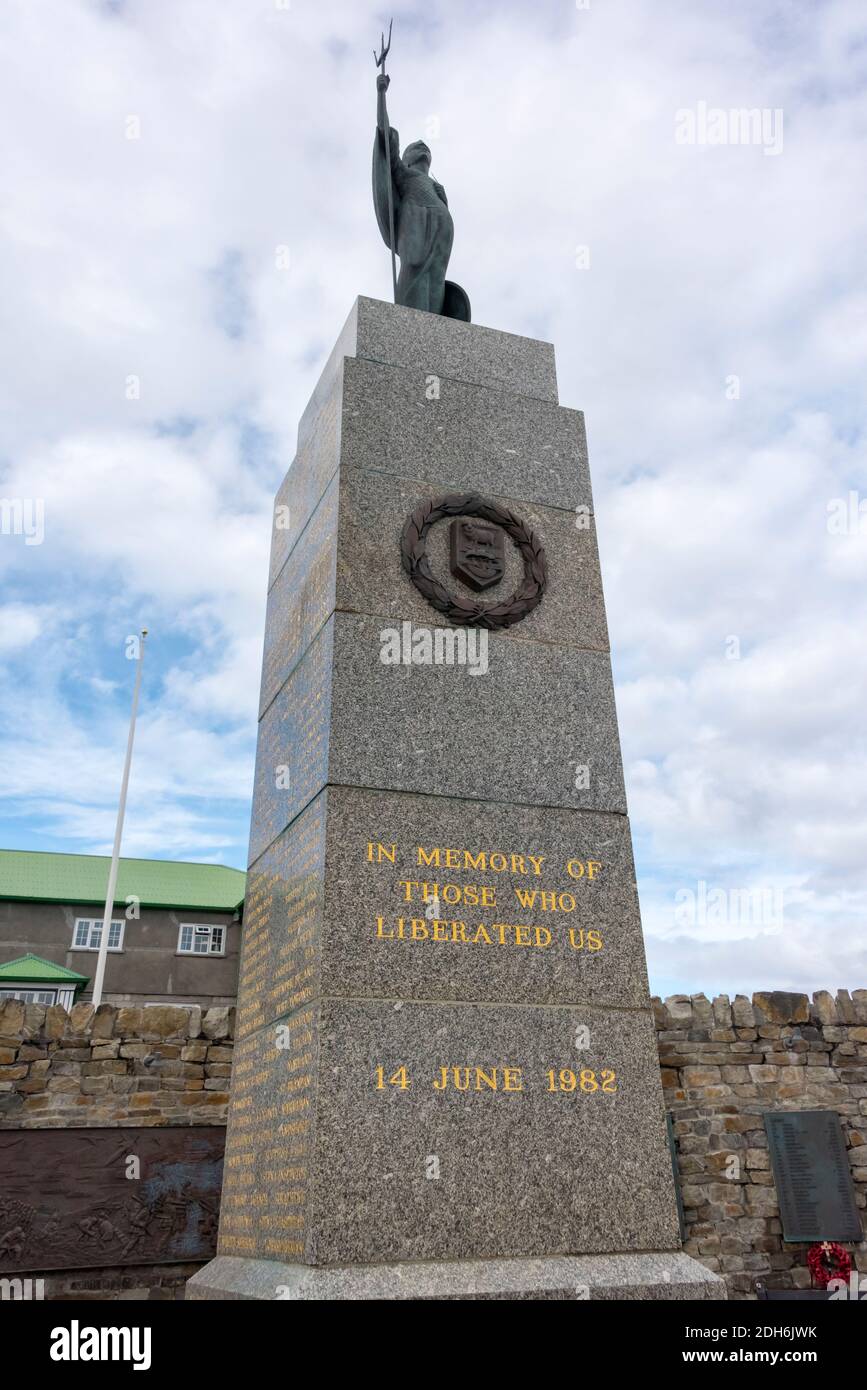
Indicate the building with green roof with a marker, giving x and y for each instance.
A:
(38, 981)
(174, 936)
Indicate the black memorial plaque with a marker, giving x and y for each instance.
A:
(812, 1176)
(66, 1201)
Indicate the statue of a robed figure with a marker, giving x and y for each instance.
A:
(413, 215)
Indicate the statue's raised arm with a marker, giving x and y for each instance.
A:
(413, 215)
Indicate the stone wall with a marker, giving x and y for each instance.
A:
(155, 1065)
(106, 1068)
(724, 1063)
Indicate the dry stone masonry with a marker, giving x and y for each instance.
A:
(724, 1064)
(158, 1065)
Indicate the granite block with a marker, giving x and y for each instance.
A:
(312, 469)
(302, 597)
(397, 336)
(293, 743)
(433, 898)
(436, 898)
(282, 929)
(441, 730)
(269, 1141)
(370, 579)
(550, 1148)
(467, 438)
(356, 566)
(579, 1278)
(345, 717)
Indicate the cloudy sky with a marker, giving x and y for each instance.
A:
(158, 157)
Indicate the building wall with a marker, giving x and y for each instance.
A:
(724, 1063)
(148, 969)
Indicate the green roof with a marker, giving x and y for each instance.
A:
(28, 969)
(34, 876)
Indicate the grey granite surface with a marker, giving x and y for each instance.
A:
(356, 566)
(292, 749)
(504, 921)
(516, 733)
(302, 597)
(466, 438)
(653, 1276)
(396, 336)
(370, 579)
(545, 1139)
(438, 898)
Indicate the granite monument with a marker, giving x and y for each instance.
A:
(446, 1082)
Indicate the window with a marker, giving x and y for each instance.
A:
(196, 940)
(29, 995)
(88, 931)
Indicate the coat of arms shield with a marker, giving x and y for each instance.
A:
(477, 552)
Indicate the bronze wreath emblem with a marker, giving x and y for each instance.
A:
(461, 611)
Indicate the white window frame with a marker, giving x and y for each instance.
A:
(21, 991)
(96, 922)
(199, 929)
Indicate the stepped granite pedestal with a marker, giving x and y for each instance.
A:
(446, 1082)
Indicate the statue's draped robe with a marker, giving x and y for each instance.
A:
(424, 230)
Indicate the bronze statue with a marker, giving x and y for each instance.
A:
(413, 215)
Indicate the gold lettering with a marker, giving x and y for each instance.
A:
(381, 852)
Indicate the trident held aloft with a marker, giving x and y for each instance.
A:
(380, 63)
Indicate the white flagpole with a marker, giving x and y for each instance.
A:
(118, 831)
